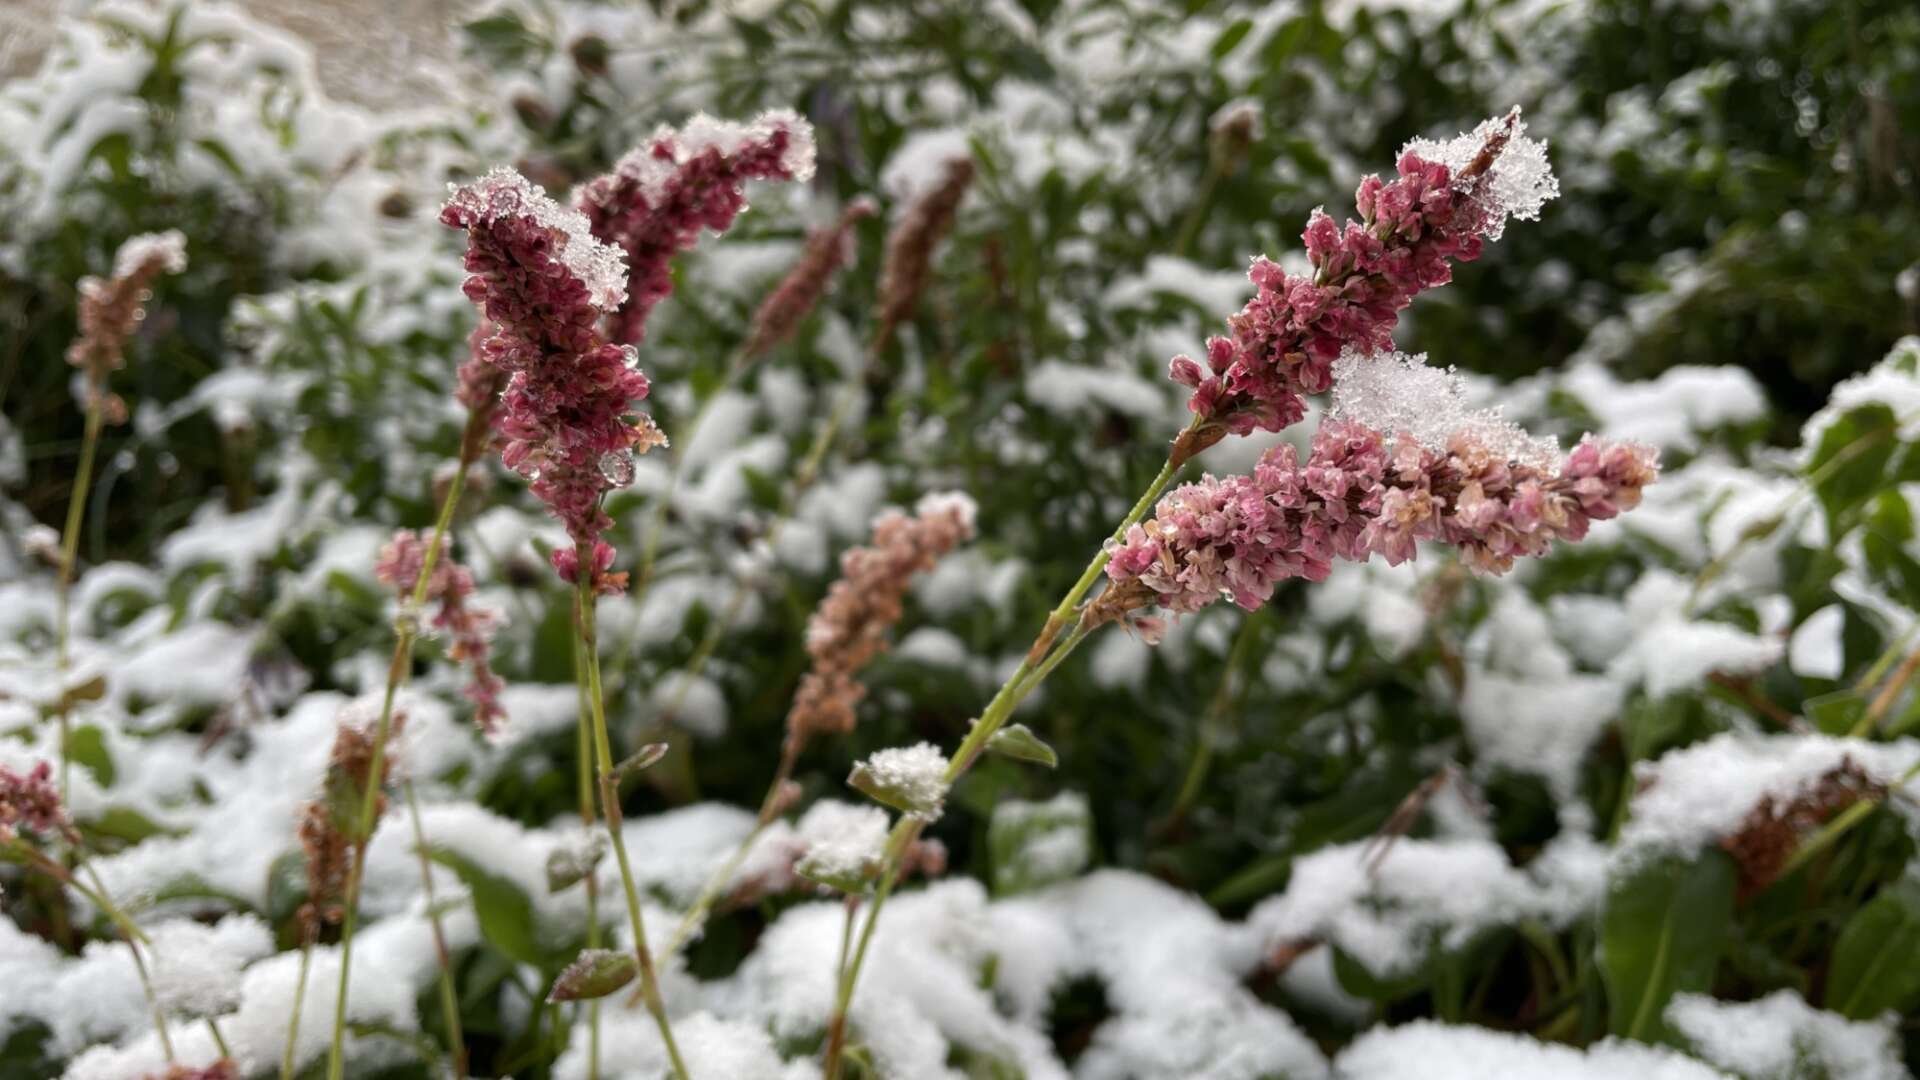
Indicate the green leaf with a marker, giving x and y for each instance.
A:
(1835, 713)
(1018, 741)
(1848, 466)
(594, 974)
(1662, 932)
(1873, 969)
(505, 913)
(88, 746)
(569, 864)
(1231, 37)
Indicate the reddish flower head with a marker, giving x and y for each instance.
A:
(469, 627)
(565, 419)
(654, 203)
(1448, 199)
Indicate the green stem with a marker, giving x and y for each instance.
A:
(583, 756)
(407, 627)
(98, 896)
(1040, 661)
(449, 1006)
(1842, 822)
(1211, 723)
(610, 812)
(657, 521)
(710, 891)
(63, 583)
(219, 1040)
(299, 1001)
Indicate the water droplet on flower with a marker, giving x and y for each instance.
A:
(630, 356)
(617, 467)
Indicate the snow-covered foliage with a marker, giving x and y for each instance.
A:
(1643, 806)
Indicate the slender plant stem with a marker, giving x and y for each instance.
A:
(299, 1002)
(657, 521)
(837, 1030)
(219, 1040)
(449, 1005)
(95, 893)
(1883, 701)
(1213, 721)
(610, 812)
(406, 629)
(804, 476)
(583, 756)
(1040, 661)
(63, 582)
(1842, 822)
(710, 891)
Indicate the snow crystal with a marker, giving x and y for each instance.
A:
(1397, 394)
(1671, 651)
(1432, 1050)
(195, 968)
(917, 774)
(1517, 184)
(503, 192)
(1423, 892)
(1780, 1035)
(958, 503)
(842, 841)
(1699, 793)
(169, 247)
(652, 171)
(1893, 382)
(1815, 651)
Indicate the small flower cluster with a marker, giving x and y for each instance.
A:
(1360, 494)
(903, 273)
(469, 628)
(566, 420)
(850, 627)
(1446, 202)
(662, 193)
(111, 307)
(30, 802)
(330, 826)
(827, 250)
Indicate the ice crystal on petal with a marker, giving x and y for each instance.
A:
(1518, 182)
(167, 251)
(503, 192)
(913, 778)
(1403, 396)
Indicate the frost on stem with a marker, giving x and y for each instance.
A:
(912, 779)
(1437, 211)
(658, 197)
(850, 626)
(565, 418)
(110, 308)
(330, 826)
(1361, 493)
(469, 627)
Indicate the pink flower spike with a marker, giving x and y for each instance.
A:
(30, 802)
(469, 628)
(1447, 201)
(658, 198)
(541, 280)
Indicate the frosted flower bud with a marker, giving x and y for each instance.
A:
(911, 779)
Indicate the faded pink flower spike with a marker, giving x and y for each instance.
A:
(469, 628)
(903, 273)
(850, 626)
(30, 802)
(1360, 494)
(800, 291)
(566, 417)
(1447, 201)
(656, 200)
(110, 308)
